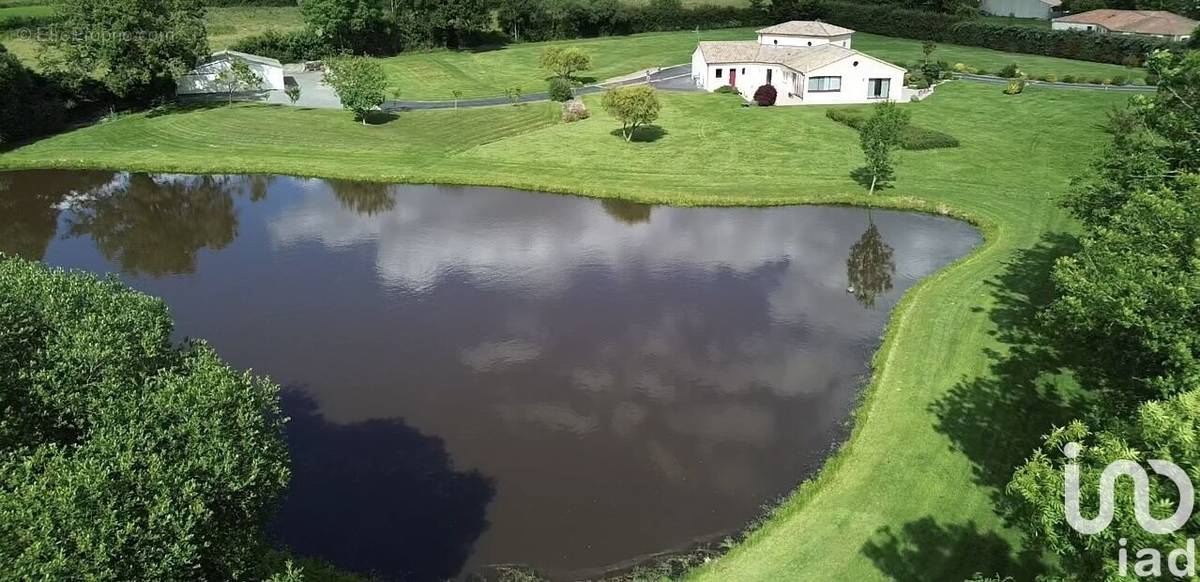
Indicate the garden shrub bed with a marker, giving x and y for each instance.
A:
(914, 137)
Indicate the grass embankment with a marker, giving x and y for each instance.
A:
(435, 75)
(948, 414)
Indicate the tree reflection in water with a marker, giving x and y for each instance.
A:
(156, 225)
(30, 203)
(870, 266)
(626, 211)
(367, 198)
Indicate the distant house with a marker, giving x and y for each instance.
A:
(1044, 9)
(203, 79)
(806, 62)
(1157, 23)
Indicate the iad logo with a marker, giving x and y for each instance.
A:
(1180, 561)
(1141, 495)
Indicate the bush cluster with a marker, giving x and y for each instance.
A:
(288, 47)
(30, 104)
(227, 3)
(765, 95)
(122, 455)
(538, 20)
(561, 90)
(911, 138)
(891, 20)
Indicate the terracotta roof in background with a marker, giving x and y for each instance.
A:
(1136, 21)
(806, 28)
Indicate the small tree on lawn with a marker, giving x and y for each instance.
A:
(293, 93)
(457, 95)
(928, 47)
(633, 106)
(565, 61)
(239, 77)
(880, 136)
(359, 82)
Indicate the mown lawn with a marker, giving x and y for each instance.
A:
(435, 75)
(953, 404)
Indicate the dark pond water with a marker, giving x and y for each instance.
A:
(481, 376)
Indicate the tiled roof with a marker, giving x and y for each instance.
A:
(806, 28)
(1136, 21)
(802, 59)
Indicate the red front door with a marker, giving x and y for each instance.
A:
(733, 77)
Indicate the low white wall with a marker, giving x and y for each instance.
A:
(204, 78)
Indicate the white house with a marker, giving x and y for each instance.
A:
(203, 79)
(806, 62)
(1043, 9)
(1156, 23)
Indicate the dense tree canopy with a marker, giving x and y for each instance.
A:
(1128, 307)
(122, 455)
(360, 83)
(634, 106)
(29, 103)
(137, 48)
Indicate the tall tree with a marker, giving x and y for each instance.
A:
(565, 61)
(351, 25)
(359, 82)
(239, 77)
(879, 137)
(633, 106)
(136, 48)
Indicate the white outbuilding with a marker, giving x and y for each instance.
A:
(806, 62)
(204, 78)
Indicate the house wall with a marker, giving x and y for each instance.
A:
(1018, 8)
(1078, 26)
(854, 81)
(791, 40)
(204, 78)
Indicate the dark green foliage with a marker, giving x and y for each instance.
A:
(537, 20)
(288, 47)
(893, 20)
(726, 90)
(765, 95)
(1120, 80)
(29, 104)
(1009, 71)
(911, 138)
(136, 48)
(222, 3)
(1156, 430)
(124, 456)
(560, 90)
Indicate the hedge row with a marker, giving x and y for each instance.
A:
(226, 3)
(923, 25)
(913, 137)
(533, 20)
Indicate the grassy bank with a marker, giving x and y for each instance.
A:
(488, 73)
(951, 406)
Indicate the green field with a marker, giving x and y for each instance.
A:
(27, 11)
(952, 405)
(435, 75)
(226, 26)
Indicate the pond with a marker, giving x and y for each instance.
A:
(479, 376)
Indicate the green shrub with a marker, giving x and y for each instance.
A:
(1069, 79)
(911, 138)
(1015, 86)
(726, 89)
(919, 138)
(122, 455)
(982, 72)
(288, 47)
(1010, 71)
(1119, 80)
(1049, 78)
(1098, 81)
(560, 90)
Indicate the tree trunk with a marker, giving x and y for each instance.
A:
(873, 178)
